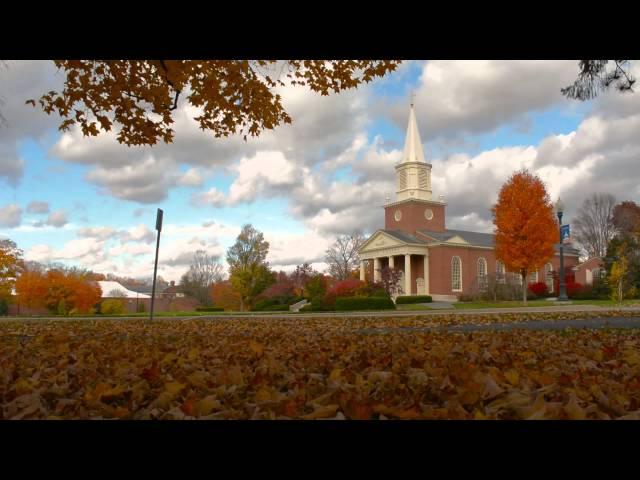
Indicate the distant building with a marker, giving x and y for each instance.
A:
(109, 287)
(435, 260)
(174, 291)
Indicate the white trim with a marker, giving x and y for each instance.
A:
(483, 261)
(459, 274)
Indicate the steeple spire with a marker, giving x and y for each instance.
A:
(412, 144)
(413, 173)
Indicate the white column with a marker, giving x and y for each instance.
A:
(391, 262)
(426, 274)
(407, 274)
(376, 270)
(362, 277)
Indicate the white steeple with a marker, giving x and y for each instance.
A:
(412, 144)
(413, 173)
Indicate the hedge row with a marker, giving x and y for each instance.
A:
(209, 309)
(276, 308)
(413, 299)
(363, 303)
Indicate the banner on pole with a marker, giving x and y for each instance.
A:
(565, 233)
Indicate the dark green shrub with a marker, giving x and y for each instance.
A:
(405, 299)
(363, 303)
(379, 292)
(209, 309)
(276, 308)
(317, 308)
(265, 303)
(4, 307)
(141, 308)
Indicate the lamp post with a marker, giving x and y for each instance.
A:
(563, 293)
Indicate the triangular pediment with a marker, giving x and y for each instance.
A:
(380, 239)
(457, 239)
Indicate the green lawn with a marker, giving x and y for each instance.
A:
(413, 306)
(539, 303)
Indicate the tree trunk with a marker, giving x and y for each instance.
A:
(241, 304)
(524, 287)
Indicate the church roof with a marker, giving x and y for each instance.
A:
(478, 239)
(474, 238)
(412, 144)
(404, 237)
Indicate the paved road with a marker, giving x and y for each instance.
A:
(592, 323)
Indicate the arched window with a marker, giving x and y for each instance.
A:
(548, 276)
(482, 273)
(456, 274)
(500, 275)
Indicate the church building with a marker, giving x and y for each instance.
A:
(435, 260)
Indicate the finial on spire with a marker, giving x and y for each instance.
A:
(413, 96)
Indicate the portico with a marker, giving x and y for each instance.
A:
(385, 249)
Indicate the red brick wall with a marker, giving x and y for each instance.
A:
(591, 264)
(413, 217)
(440, 267)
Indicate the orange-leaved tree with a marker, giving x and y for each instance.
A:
(231, 96)
(224, 295)
(58, 290)
(10, 266)
(525, 228)
(31, 288)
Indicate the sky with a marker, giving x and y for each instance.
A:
(91, 202)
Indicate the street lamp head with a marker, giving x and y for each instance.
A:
(559, 206)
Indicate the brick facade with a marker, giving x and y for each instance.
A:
(413, 216)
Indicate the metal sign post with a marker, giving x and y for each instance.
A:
(155, 267)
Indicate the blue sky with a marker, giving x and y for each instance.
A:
(306, 183)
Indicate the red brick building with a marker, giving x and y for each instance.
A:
(434, 260)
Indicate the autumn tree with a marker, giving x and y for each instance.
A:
(593, 226)
(342, 257)
(139, 97)
(204, 270)
(626, 218)
(300, 276)
(525, 228)
(60, 291)
(597, 76)
(11, 265)
(390, 278)
(31, 288)
(248, 269)
(224, 295)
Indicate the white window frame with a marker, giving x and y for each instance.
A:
(534, 279)
(453, 289)
(481, 278)
(501, 273)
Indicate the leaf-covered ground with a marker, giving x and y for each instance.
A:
(315, 368)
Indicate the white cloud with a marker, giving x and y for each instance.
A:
(38, 207)
(213, 197)
(191, 178)
(57, 219)
(139, 233)
(457, 97)
(264, 173)
(10, 215)
(101, 233)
